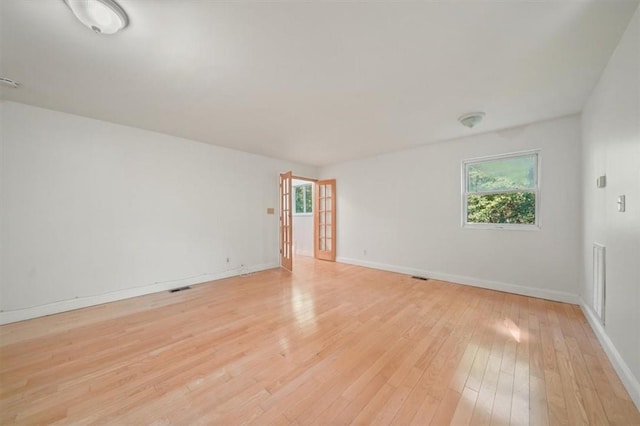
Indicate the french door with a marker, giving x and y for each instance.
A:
(325, 220)
(286, 229)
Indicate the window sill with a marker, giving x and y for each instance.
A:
(501, 227)
(303, 214)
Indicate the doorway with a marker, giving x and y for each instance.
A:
(307, 219)
(303, 204)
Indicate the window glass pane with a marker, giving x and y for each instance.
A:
(502, 174)
(299, 192)
(308, 199)
(512, 207)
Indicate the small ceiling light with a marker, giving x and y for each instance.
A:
(9, 83)
(101, 16)
(471, 120)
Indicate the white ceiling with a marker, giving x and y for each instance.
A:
(313, 82)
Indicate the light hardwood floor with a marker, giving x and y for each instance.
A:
(328, 344)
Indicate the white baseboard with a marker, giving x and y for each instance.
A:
(630, 382)
(84, 302)
(559, 296)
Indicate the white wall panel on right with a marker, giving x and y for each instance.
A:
(611, 147)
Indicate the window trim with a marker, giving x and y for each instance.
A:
(293, 190)
(501, 226)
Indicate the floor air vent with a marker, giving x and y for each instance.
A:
(415, 277)
(599, 281)
(175, 290)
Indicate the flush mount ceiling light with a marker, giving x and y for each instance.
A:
(471, 120)
(101, 16)
(9, 83)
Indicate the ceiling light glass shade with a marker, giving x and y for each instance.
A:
(101, 16)
(471, 120)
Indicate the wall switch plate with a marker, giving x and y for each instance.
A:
(271, 210)
(621, 203)
(601, 182)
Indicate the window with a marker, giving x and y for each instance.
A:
(501, 191)
(304, 199)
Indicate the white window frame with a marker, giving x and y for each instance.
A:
(501, 226)
(304, 195)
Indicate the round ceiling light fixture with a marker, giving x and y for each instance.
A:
(472, 119)
(101, 16)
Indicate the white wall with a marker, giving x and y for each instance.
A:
(303, 235)
(302, 228)
(90, 208)
(404, 209)
(611, 147)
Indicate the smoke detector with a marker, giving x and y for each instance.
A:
(471, 120)
(9, 83)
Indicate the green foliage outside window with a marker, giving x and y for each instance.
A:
(514, 207)
(304, 199)
(502, 191)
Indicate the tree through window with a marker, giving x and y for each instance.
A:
(304, 199)
(501, 191)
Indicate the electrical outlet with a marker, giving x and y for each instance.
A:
(227, 260)
(364, 252)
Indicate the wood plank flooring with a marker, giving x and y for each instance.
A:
(329, 344)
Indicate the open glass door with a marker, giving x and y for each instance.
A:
(286, 239)
(325, 220)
